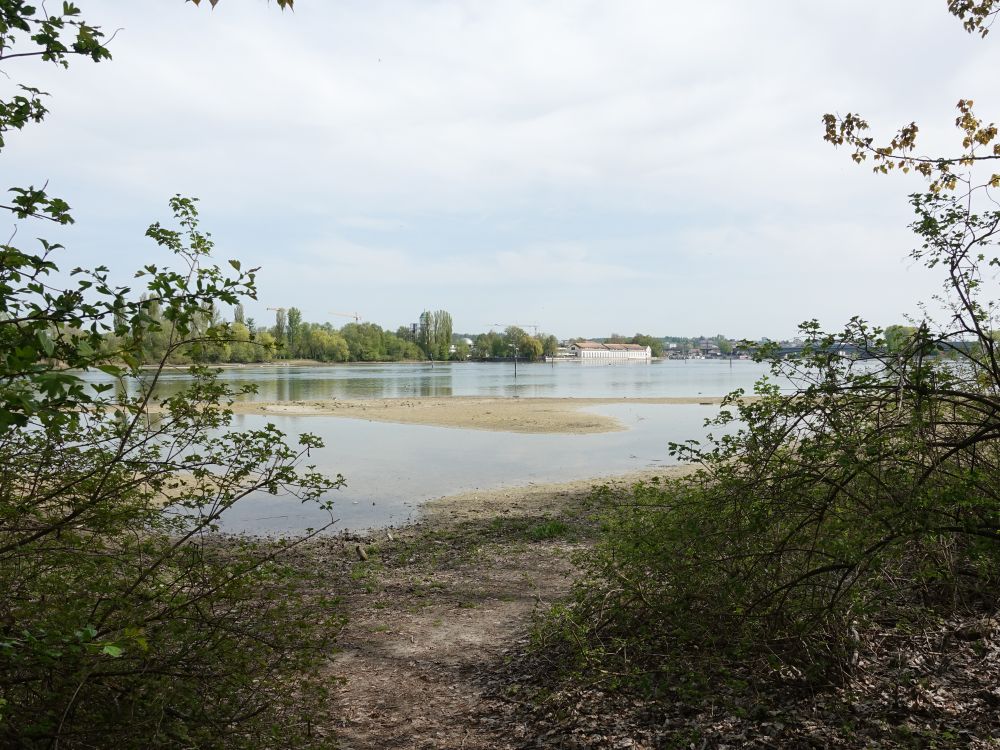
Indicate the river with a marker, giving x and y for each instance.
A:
(391, 469)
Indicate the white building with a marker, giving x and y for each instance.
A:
(597, 350)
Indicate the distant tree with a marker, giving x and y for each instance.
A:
(425, 333)
(550, 346)
(325, 346)
(294, 324)
(655, 344)
(897, 337)
(434, 334)
(240, 348)
(265, 345)
(488, 345)
(441, 325)
(280, 329)
(724, 344)
(530, 348)
(513, 337)
(239, 314)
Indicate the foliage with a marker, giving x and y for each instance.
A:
(655, 344)
(125, 619)
(121, 601)
(514, 341)
(977, 15)
(434, 334)
(869, 491)
(281, 3)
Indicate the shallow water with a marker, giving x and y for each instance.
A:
(392, 468)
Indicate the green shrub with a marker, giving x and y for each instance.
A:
(548, 529)
(126, 619)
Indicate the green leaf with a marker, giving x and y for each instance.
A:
(46, 342)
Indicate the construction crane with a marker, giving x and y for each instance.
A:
(356, 316)
(533, 326)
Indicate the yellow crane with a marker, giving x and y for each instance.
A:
(533, 326)
(356, 316)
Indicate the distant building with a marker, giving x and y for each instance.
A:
(597, 350)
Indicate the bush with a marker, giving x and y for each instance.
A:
(868, 492)
(126, 619)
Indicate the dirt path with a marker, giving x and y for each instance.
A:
(414, 659)
(438, 605)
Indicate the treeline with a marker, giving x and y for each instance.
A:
(511, 342)
(242, 341)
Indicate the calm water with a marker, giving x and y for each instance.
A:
(563, 379)
(392, 468)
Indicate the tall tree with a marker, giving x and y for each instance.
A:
(294, 324)
(425, 333)
(442, 328)
(281, 326)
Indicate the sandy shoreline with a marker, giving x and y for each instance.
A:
(526, 415)
(530, 499)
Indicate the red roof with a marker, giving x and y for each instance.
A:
(613, 347)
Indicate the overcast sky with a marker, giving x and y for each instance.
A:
(589, 167)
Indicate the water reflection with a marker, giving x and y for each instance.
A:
(569, 379)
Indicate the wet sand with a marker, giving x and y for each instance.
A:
(532, 499)
(528, 415)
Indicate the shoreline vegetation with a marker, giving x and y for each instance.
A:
(445, 609)
(521, 415)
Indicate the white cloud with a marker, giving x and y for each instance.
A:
(363, 133)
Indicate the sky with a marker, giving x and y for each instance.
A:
(587, 167)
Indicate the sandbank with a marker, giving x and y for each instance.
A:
(528, 415)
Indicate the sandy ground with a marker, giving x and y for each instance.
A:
(439, 604)
(532, 415)
(530, 500)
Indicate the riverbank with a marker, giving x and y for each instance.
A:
(525, 415)
(438, 650)
(437, 606)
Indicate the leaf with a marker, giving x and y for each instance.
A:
(46, 342)
(113, 651)
(112, 370)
